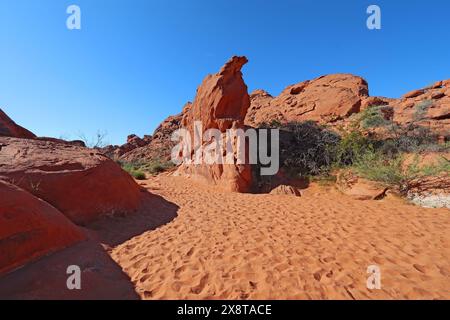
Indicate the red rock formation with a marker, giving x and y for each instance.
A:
(325, 99)
(221, 103)
(9, 128)
(375, 101)
(30, 228)
(133, 142)
(81, 183)
(428, 107)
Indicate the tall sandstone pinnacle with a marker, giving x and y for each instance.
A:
(221, 103)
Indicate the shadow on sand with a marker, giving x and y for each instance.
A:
(101, 277)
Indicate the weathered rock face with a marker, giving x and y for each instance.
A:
(81, 183)
(222, 99)
(9, 128)
(428, 107)
(325, 99)
(30, 228)
(221, 103)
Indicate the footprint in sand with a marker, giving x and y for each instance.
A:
(199, 288)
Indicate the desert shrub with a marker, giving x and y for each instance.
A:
(309, 150)
(98, 141)
(138, 175)
(134, 170)
(314, 151)
(373, 117)
(138, 169)
(157, 166)
(411, 138)
(392, 171)
(421, 109)
(352, 145)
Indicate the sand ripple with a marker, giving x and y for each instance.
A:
(241, 246)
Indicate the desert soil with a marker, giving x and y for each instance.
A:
(195, 242)
(319, 246)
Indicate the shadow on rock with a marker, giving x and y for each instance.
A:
(101, 277)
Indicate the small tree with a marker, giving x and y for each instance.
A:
(98, 141)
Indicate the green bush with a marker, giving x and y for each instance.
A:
(373, 117)
(313, 151)
(352, 146)
(393, 172)
(157, 166)
(139, 175)
(138, 169)
(134, 170)
(421, 109)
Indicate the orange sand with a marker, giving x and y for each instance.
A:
(194, 242)
(242, 246)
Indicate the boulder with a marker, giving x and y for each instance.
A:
(414, 94)
(30, 228)
(9, 128)
(285, 190)
(375, 101)
(81, 183)
(358, 188)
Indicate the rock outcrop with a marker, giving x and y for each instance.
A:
(325, 99)
(9, 128)
(133, 142)
(81, 183)
(30, 228)
(428, 107)
(332, 99)
(221, 103)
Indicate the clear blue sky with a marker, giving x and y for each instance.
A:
(134, 62)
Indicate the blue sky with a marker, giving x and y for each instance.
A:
(134, 62)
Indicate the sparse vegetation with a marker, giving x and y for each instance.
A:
(98, 141)
(157, 166)
(421, 109)
(373, 117)
(134, 170)
(394, 172)
(310, 149)
(138, 170)
(314, 151)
